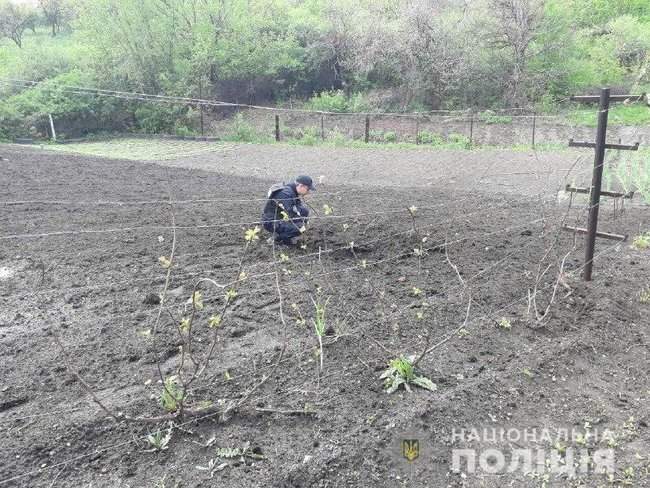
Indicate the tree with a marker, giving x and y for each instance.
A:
(57, 13)
(14, 20)
(515, 26)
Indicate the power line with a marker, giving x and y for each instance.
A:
(81, 90)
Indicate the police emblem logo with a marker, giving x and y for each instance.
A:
(410, 449)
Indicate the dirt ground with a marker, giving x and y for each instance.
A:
(80, 242)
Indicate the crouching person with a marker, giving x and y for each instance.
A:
(285, 216)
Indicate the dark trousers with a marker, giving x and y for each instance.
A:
(284, 231)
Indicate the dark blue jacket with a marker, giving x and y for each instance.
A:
(283, 197)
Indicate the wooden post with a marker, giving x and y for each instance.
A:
(277, 128)
(471, 128)
(367, 133)
(596, 183)
(52, 127)
(322, 127)
(417, 128)
(201, 106)
(533, 139)
(595, 191)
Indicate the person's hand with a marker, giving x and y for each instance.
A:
(302, 229)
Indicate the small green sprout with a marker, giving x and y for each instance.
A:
(214, 321)
(327, 209)
(185, 324)
(283, 257)
(505, 324)
(231, 294)
(164, 262)
(644, 295)
(319, 325)
(642, 241)
(159, 441)
(252, 234)
(197, 300)
(416, 291)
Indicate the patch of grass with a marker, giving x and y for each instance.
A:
(167, 149)
(631, 173)
(619, 114)
(138, 149)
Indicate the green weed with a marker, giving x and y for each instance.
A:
(401, 372)
(171, 394)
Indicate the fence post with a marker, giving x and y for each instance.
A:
(417, 129)
(534, 119)
(277, 128)
(322, 127)
(201, 105)
(596, 183)
(471, 128)
(52, 127)
(367, 133)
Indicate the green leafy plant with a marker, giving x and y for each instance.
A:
(642, 241)
(319, 323)
(159, 440)
(458, 140)
(242, 131)
(238, 452)
(400, 372)
(425, 137)
(505, 324)
(644, 295)
(171, 394)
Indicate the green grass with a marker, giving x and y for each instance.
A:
(161, 149)
(636, 114)
(139, 149)
(629, 172)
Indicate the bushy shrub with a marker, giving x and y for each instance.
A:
(458, 140)
(243, 131)
(336, 101)
(159, 118)
(425, 137)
